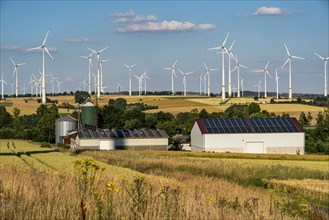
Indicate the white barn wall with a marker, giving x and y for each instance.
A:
(197, 139)
(141, 142)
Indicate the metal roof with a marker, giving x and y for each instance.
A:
(66, 118)
(107, 133)
(249, 125)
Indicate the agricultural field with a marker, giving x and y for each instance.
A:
(172, 104)
(162, 185)
(17, 146)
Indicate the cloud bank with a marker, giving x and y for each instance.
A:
(77, 40)
(131, 23)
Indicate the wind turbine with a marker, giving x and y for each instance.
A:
(43, 48)
(145, 77)
(97, 54)
(238, 65)
(230, 56)
(24, 89)
(201, 80)
(84, 84)
(259, 88)
(52, 82)
(242, 86)
(2, 86)
(140, 83)
(119, 87)
(32, 84)
(59, 86)
(325, 73)
(205, 84)
(173, 73)
(101, 73)
(184, 79)
(16, 71)
(223, 68)
(234, 89)
(290, 57)
(277, 83)
(208, 74)
(95, 82)
(129, 69)
(90, 65)
(265, 70)
(12, 88)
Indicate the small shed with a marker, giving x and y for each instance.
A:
(62, 126)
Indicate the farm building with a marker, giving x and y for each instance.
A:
(248, 135)
(106, 139)
(62, 126)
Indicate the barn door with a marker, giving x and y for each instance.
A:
(254, 147)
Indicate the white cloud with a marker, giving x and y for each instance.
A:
(206, 26)
(10, 48)
(77, 40)
(270, 11)
(158, 26)
(135, 19)
(130, 13)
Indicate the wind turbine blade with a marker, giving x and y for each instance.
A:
(34, 48)
(91, 63)
(232, 45)
(234, 68)
(319, 56)
(44, 41)
(15, 69)
(181, 72)
(174, 64)
(48, 53)
(84, 57)
(133, 65)
(103, 61)
(125, 65)
(174, 72)
(212, 69)
(258, 71)
(268, 74)
(205, 65)
(103, 49)
(12, 61)
(92, 50)
(244, 66)
(214, 48)
(286, 49)
(226, 38)
(189, 73)
(300, 58)
(285, 63)
(267, 64)
(166, 68)
(21, 64)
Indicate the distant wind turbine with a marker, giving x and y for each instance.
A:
(230, 57)
(238, 65)
(184, 79)
(140, 83)
(242, 87)
(234, 89)
(16, 71)
(277, 83)
(84, 84)
(12, 88)
(290, 57)
(201, 80)
(43, 48)
(145, 77)
(52, 81)
(2, 86)
(101, 72)
(223, 68)
(129, 69)
(325, 73)
(119, 87)
(59, 86)
(265, 70)
(259, 88)
(208, 74)
(173, 73)
(90, 65)
(24, 89)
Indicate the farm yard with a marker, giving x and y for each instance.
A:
(172, 104)
(160, 185)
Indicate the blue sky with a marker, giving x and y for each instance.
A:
(156, 33)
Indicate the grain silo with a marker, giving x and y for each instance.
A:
(62, 126)
(88, 115)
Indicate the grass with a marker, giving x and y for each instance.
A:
(10, 146)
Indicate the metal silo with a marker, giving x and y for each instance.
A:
(88, 115)
(63, 125)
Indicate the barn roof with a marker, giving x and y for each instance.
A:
(118, 133)
(66, 118)
(249, 125)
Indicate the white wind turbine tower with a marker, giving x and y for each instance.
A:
(90, 65)
(290, 57)
(230, 56)
(140, 83)
(97, 54)
(12, 88)
(43, 48)
(101, 73)
(238, 65)
(145, 77)
(36, 83)
(95, 82)
(52, 82)
(16, 71)
(277, 83)
(2, 86)
(208, 74)
(223, 68)
(259, 88)
(242, 87)
(119, 87)
(201, 80)
(59, 86)
(205, 84)
(84, 84)
(234, 89)
(173, 73)
(184, 79)
(265, 70)
(129, 69)
(32, 82)
(325, 73)
(24, 89)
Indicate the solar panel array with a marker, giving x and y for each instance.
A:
(249, 125)
(106, 133)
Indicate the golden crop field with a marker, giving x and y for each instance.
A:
(10, 145)
(174, 104)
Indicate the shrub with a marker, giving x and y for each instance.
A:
(45, 145)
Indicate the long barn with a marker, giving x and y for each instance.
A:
(248, 135)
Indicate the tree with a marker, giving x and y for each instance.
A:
(81, 96)
(5, 118)
(253, 108)
(45, 129)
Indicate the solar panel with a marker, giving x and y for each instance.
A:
(147, 134)
(163, 133)
(107, 132)
(137, 132)
(91, 133)
(100, 133)
(154, 133)
(122, 133)
(84, 133)
(131, 134)
(115, 133)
